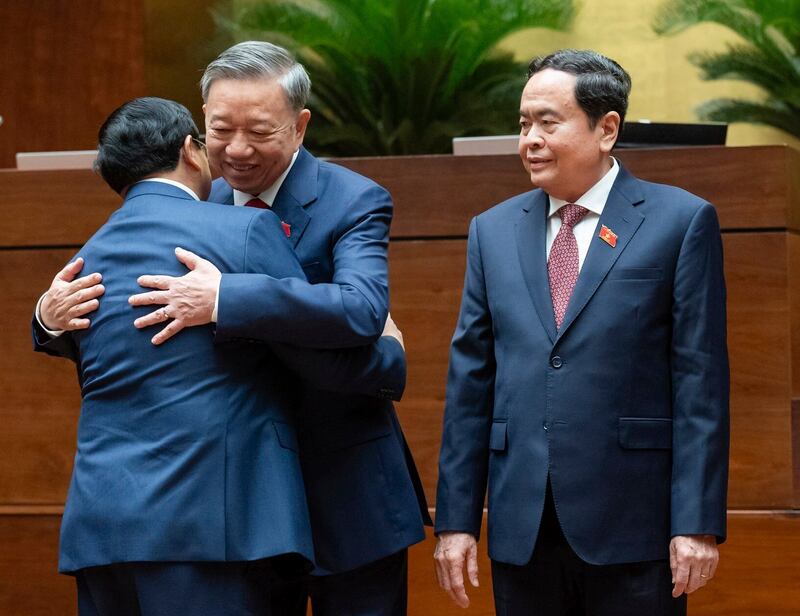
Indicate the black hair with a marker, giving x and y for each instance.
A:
(142, 137)
(601, 86)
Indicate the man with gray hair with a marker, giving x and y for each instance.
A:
(364, 494)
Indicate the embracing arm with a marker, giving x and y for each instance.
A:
(63, 308)
(376, 369)
(349, 311)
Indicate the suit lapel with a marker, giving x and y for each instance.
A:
(299, 189)
(621, 216)
(531, 233)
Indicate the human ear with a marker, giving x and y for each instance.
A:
(609, 126)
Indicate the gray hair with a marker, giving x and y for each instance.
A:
(259, 59)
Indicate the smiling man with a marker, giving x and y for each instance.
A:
(588, 381)
(365, 500)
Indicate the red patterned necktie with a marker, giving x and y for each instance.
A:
(562, 266)
(256, 202)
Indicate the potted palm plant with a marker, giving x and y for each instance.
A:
(401, 76)
(768, 56)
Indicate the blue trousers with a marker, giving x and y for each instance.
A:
(379, 588)
(172, 589)
(556, 582)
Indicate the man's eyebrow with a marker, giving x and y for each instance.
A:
(539, 112)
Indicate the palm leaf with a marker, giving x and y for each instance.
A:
(401, 76)
(768, 57)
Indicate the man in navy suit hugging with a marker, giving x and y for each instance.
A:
(588, 380)
(365, 499)
(187, 495)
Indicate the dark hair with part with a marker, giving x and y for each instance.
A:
(601, 84)
(142, 137)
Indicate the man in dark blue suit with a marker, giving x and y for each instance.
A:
(588, 380)
(187, 494)
(364, 494)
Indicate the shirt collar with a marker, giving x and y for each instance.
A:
(595, 198)
(268, 195)
(183, 187)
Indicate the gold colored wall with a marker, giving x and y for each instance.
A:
(666, 87)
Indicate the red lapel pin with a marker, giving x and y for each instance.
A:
(287, 229)
(608, 236)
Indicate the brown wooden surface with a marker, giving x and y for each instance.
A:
(39, 409)
(66, 64)
(436, 196)
(29, 582)
(759, 345)
(40, 402)
(757, 575)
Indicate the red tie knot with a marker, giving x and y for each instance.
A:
(256, 202)
(571, 214)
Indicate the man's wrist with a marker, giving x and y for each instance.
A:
(53, 333)
(216, 302)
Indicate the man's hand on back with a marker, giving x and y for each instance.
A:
(453, 551)
(68, 300)
(188, 300)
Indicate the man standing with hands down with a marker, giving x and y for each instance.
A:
(588, 381)
(364, 496)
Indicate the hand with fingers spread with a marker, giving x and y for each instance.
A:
(69, 300)
(453, 552)
(187, 300)
(693, 560)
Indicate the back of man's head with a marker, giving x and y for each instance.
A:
(601, 84)
(260, 60)
(141, 138)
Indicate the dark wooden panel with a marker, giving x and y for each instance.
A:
(53, 207)
(426, 277)
(40, 393)
(757, 573)
(437, 195)
(29, 582)
(759, 348)
(66, 65)
(426, 280)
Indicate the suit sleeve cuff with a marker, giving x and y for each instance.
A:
(53, 333)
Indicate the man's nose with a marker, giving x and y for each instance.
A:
(533, 139)
(238, 147)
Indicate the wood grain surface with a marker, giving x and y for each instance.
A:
(66, 65)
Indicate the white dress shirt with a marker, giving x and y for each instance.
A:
(267, 196)
(593, 200)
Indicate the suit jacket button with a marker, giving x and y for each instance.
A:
(556, 362)
(544, 426)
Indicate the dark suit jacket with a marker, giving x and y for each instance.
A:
(188, 452)
(625, 407)
(364, 493)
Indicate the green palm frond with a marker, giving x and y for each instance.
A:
(401, 76)
(768, 57)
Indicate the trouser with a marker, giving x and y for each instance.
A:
(379, 588)
(556, 582)
(176, 588)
